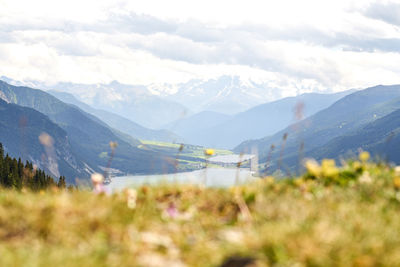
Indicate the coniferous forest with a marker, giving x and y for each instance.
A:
(17, 175)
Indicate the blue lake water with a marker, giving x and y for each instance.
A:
(215, 177)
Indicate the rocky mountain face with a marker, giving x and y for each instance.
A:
(88, 136)
(29, 134)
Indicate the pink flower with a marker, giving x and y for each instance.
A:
(172, 211)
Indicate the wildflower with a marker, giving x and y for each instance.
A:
(209, 152)
(329, 168)
(364, 156)
(155, 239)
(172, 211)
(299, 182)
(269, 179)
(131, 195)
(397, 170)
(113, 145)
(365, 178)
(313, 167)
(97, 180)
(232, 236)
(152, 259)
(396, 182)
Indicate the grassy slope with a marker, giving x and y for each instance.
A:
(328, 217)
(190, 158)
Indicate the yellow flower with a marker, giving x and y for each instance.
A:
(396, 182)
(329, 168)
(364, 156)
(299, 181)
(269, 179)
(312, 167)
(209, 152)
(113, 145)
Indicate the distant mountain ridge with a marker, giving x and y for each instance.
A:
(133, 102)
(225, 94)
(343, 118)
(120, 123)
(196, 123)
(156, 105)
(88, 136)
(218, 130)
(380, 137)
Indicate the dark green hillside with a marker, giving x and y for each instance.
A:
(17, 175)
(20, 128)
(380, 137)
(89, 137)
(342, 118)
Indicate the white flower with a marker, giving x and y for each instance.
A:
(156, 239)
(232, 236)
(397, 170)
(365, 178)
(131, 198)
(97, 178)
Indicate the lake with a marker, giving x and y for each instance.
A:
(234, 158)
(214, 177)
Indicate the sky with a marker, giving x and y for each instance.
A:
(309, 45)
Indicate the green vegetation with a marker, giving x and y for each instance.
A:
(330, 216)
(17, 175)
(188, 150)
(190, 157)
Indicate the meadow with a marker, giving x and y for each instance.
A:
(330, 216)
(189, 157)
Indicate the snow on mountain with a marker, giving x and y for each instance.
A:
(155, 105)
(225, 94)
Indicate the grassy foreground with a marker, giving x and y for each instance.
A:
(331, 216)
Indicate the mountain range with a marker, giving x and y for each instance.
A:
(156, 105)
(225, 94)
(309, 125)
(327, 133)
(224, 131)
(118, 122)
(88, 137)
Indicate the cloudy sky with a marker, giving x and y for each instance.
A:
(310, 44)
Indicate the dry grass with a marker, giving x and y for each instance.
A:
(331, 216)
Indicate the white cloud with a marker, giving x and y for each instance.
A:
(298, 46)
